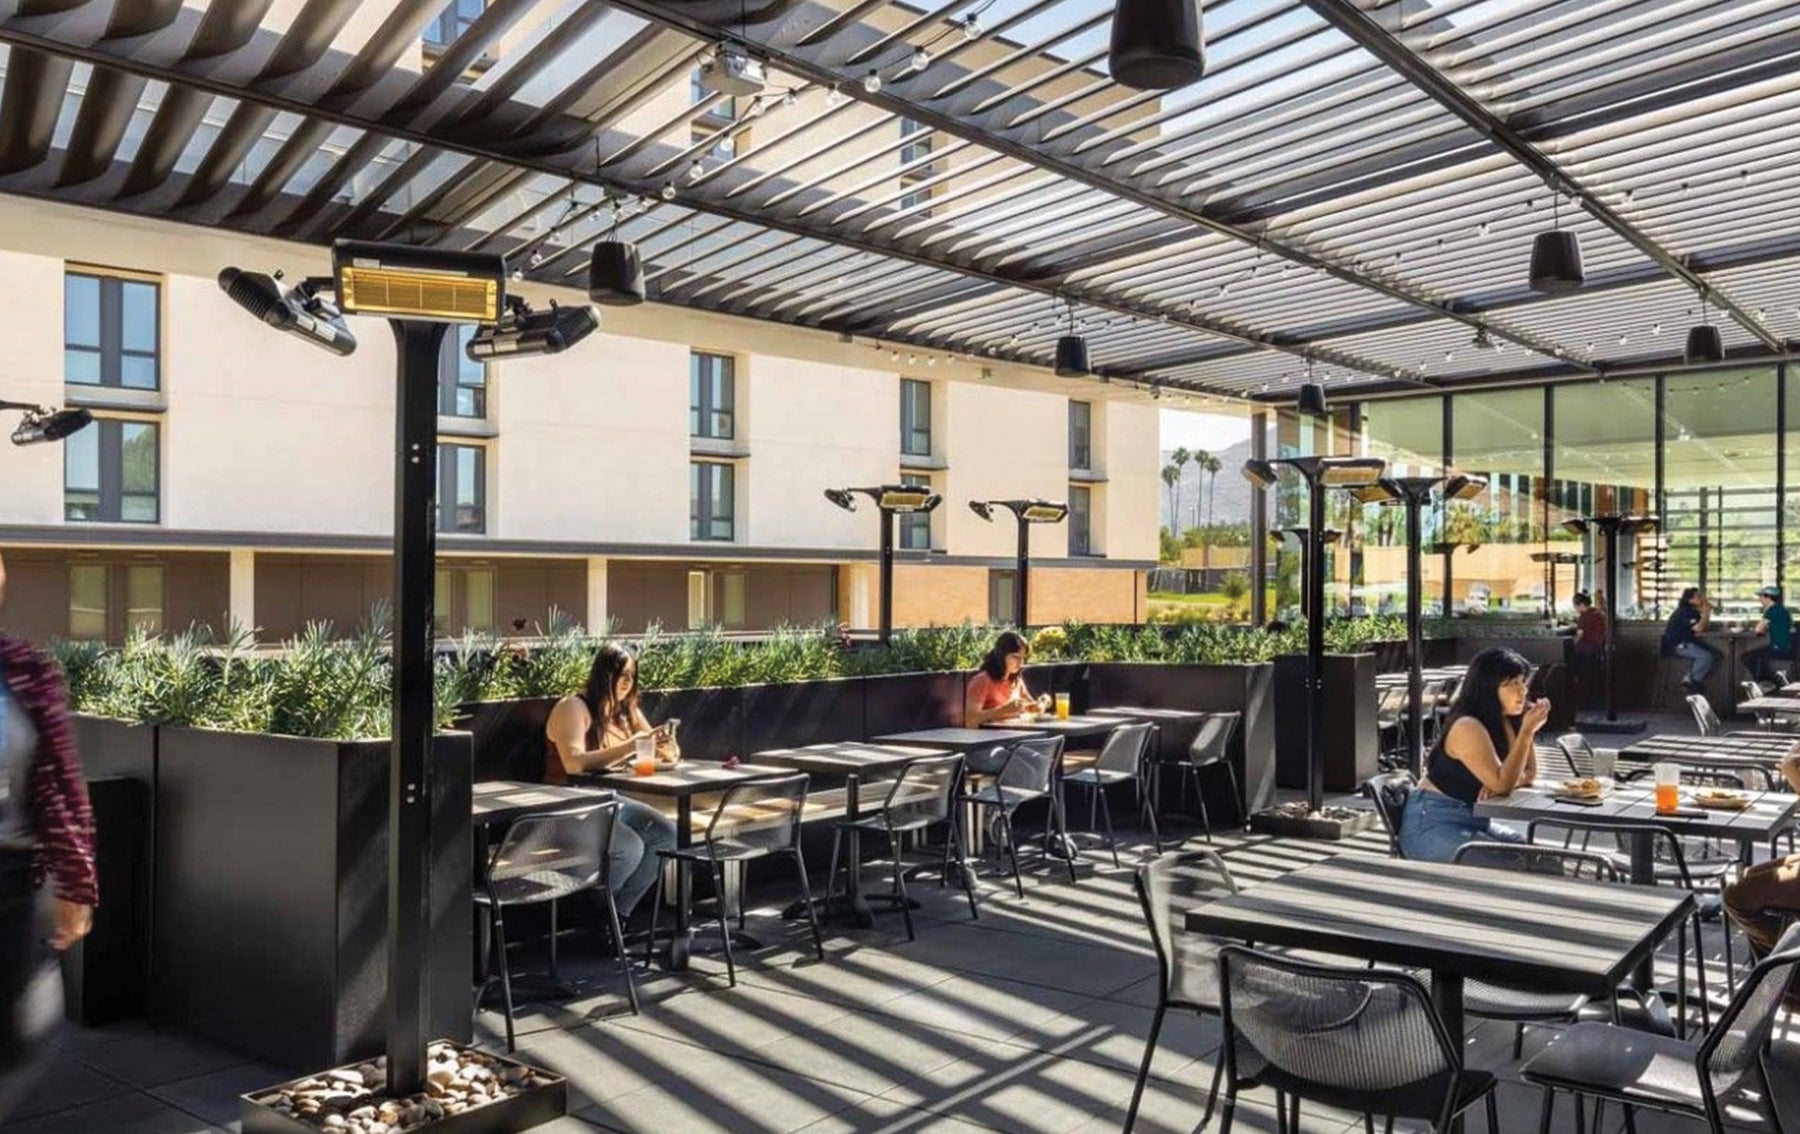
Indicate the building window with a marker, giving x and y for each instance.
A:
(734, 588)
(916, 199)
(712, 504)
(92, 601)
(712, 396)
(1003, 595)
(463, 601)
(452, 22)
(462, 382)
(1081, 520)
(88, 586)
(915, 417)
(1081, 435)
(144, 598)
(725, 109)
(918, 141)
(110, 332)
(915, 527)
(110, 473)
(462, 488)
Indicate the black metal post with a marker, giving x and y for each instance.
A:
(1314, 566)
(1259, 527)
(1020, 606)
(409, 806)
(887, 575)
(1415, 648)
(1610, 525)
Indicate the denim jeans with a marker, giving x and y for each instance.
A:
(1433, 826)
(641, 833)
(1701, 657)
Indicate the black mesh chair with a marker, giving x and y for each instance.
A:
(1388, 792)
(921, 797)
(544, 858)
(1187, 964)
(1364, 1040)
(1121, 761)
(1705, 720)
(1211, 748)
(1390, 725)
(1693, 1078)
(1028, 775)
(754, 819)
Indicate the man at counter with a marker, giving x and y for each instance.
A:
(1778, 624)
(1589, 644)
(1681, 638)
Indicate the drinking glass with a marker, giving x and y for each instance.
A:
(1062, 706)
(1668, 788)
(644, 755)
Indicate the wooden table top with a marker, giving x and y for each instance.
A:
(959, 739)
(1555, 934)
(842, 758)
(1636, 807)
(690, 777)
(502, 801)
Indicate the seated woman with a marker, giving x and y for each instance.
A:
(596, 728)
(997, 693)
(1486, 748)
(1766, 897)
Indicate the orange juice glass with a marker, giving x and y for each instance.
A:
(1668, 798)
(1062, 706)
(644, 757)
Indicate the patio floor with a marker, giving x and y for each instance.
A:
(1032, 1019)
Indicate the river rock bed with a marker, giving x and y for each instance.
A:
(352, 1100)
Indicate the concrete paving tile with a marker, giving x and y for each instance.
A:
(855, 978)
(1176, 1108)
(985, 1007)
(868, 1052)
(1114, 1034)
(884, 1116)
(214, 1097)
(65, 1082)
(1086, 969)
(729, 1096)
(133, 1113)
(151, 1058)
(1042, 1092)
(731, 1020)
(603, 1062)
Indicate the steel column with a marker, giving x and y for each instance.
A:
(1415, 646)
(1021, 607)
(1314, 565)
(887, 574)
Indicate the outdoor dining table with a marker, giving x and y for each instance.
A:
(496, 803)
(1168, 723)
(854, 762)
(1738, 749)
(1460, 922)
(1771, 706)
(966, 740)
(682, 783)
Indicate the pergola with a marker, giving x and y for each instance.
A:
(1352, 190)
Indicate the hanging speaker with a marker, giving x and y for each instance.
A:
(1556, 261)
(1312, 400)
(616, 274)
(1071, 356)
(1156, 44)
(1705, 344)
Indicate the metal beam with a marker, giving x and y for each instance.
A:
(1371, 34)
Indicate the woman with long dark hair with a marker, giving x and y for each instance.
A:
(997, 691)
(595, 729)
(1486, 748)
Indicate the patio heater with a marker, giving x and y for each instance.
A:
(1551, 561)
(41, 423)
(1329, 536)
(1413, 493)
(892, 500)
(421, 292)
(1025, 513)
(1609, 528)
(1321, 474)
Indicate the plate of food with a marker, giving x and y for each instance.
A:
(1721, 799)
(1587, 787)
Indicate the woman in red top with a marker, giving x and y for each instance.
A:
(997, 691)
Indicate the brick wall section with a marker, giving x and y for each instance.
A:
(1087, 594)
(939, 596)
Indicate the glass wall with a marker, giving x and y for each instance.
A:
(1719, 488)
(1605, 462)
(1490, 542)
(1408, 434)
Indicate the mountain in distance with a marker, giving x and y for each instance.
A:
(1230, 505)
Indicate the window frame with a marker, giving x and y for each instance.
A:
(911, 390)
(1081, 436)
(1081, 534)
(108, 435)
(449, 481)
(706, 489)
(912, 524)
(452, 364)
(705, 383)
(109, 320)
(431, 36)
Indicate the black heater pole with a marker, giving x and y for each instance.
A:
(1415, 648)
(409, 796)
(1611, 528)
(1314, 561)
(1020, 605)
(887, 575)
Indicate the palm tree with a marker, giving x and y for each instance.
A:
(1197, 458)
(1179, 458)
(1171, 477)
(1211, 465)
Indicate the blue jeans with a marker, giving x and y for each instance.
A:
(1433, 826)
(1701, 658)
(640, 834)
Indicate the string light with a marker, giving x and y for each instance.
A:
(921, 59)
(792, 97)
(872, 81)
(668, 191)
(834, 97)
(971, 27)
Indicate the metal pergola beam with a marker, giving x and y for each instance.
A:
(1375, 38)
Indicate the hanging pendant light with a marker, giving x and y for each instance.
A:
(1157, 44)
(1556, 258)
(1071, 352)
(616, 274)
(1704, 343)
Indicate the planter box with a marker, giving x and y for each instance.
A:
(508, 737)
(712, 720)
(906, 702)
(109, 975)
(1351, 745)
(271, 896)
(1311, 827)
(532, 1107)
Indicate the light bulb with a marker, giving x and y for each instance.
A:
(668, 191)
(695, 169)
(834, 97)
(872, 81)
(790, 98)
(971, 26)
(921, 59)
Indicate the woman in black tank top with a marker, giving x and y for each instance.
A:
(1486, 748)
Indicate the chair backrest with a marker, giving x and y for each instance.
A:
(547, 854)
(1168, 886)
(1530, 858)
(1747, 776)
(760, 815)
(1032, 764)
(1391, 704)
(1125, 748)
(1212, 743)
(1737, 1040)
(1580, 753)
(1388, 793)
(1705, 719)
(1366, 1037)
(1667, 846)
(923, 791)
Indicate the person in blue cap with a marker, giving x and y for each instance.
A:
(1764, 661)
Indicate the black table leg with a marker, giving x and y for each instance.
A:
(682, 944)
(1643, 873)
(861, 915)
(1447, 997)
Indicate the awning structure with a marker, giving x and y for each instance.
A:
(1352, 190)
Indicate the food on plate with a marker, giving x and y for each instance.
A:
(1586, 786)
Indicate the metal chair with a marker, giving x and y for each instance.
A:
(754, 819)
(1211, 748)
(922, 796)
(1029, 775)
(1366, 1040)
(1766, 721)
(1388, 793)
(1664, 1073)
(546, 857)
(1187, 964)
(1585, 759)
(1121, 761)
(1390, 723)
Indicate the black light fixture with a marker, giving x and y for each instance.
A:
(892, 500)
(524, 331)
(41, 423)
(1704, 343)
(301, 311)
(1556, 257)
(1071, 352)
(1027, 513)
(1312, 399)
(1157, 45)
(616, 274)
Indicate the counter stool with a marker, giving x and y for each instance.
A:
(1669, 692)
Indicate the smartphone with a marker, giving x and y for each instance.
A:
(1573, 802)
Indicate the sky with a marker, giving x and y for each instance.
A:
(1210, 431)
